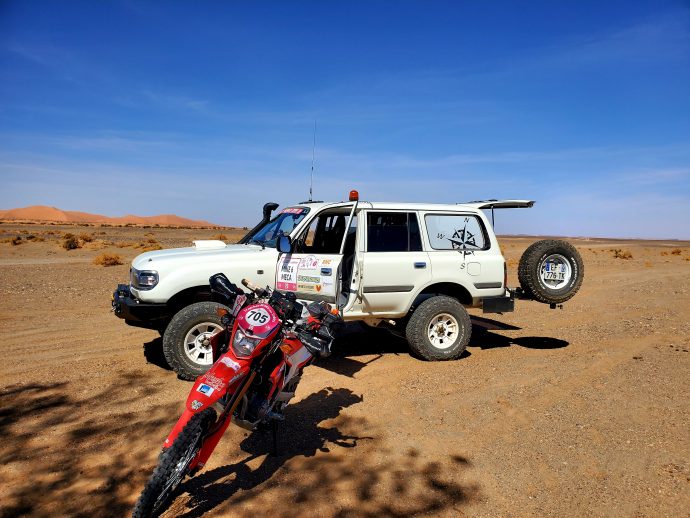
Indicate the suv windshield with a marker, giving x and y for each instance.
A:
(282, 224)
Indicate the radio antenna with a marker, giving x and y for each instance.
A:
(313, 152)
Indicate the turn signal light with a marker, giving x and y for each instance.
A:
(354, 195)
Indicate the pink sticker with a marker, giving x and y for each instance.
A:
(260, 319)
(292, 210)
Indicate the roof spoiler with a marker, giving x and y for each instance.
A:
(499, 204)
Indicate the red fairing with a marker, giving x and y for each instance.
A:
(223, 376)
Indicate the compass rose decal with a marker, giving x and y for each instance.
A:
(462, 238)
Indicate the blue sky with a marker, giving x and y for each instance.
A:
(206, 109)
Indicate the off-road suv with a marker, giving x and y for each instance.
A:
(412, 267)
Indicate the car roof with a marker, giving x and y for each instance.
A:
(467, 206)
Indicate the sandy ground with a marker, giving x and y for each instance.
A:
(583, 411)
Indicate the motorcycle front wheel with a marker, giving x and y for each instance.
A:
(173, 466)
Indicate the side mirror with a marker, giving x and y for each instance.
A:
(284, 245)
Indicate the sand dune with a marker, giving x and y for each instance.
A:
(45, 213)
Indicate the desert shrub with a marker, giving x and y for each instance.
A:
(16, 240)
(151, 248)
(70, 242)
(676, 251)
(86, 238)
(152, 241)
(106, 259)
(621, 254)
(125, 244)
(245, 228)
(221, 237)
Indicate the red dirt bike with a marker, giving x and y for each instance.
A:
(260, 355)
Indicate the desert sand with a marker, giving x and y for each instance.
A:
(583, 411)
(44, 213)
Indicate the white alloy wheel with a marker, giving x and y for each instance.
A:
(443, 330)
(555, 271)
(197, 343)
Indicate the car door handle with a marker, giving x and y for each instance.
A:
(420, 265)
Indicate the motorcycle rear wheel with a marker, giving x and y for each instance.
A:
(173, 466)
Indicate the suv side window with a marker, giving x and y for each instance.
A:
(324, 235)
(455, 232)
(393, 232)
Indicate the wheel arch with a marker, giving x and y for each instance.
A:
(189, 296)
(451, 289)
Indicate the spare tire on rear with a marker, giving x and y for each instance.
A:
(551, 271)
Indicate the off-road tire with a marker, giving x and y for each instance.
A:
(417, 330)
(168, 460)
(529, 271)
(174, 336)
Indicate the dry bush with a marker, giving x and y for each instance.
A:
(14, 241)
(98, 244)
(70, 242)
(648, 264)
(86, 238)
(664, 253)
(621, 254)
(676, 251)
(125, 244)
(107, 260)
(151, 248)
(152, 241)
(221, 237)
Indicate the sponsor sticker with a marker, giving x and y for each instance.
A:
(229, 362)
(292, 210)
(309, 263)
(206, 390)
(196, 405)
(308, 278)
(287, 275)
(213, 381)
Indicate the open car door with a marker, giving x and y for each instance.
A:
(310, 276)
(321, 256)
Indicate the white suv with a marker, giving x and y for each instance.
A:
(411, 267)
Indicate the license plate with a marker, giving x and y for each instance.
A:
(554, 276)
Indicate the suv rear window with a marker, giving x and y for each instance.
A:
(455, 232)
(393, 232)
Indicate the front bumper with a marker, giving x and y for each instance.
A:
(135, 312)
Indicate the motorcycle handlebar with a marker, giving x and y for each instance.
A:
(260, 292)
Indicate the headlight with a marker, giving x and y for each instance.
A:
(143, 279)
(244, 345)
